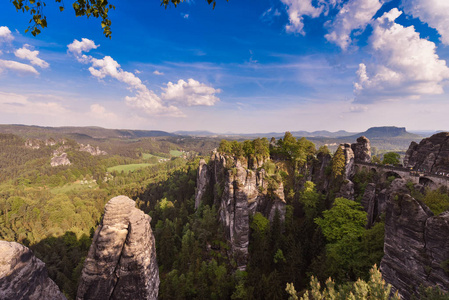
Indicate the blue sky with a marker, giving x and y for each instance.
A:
(247, 66)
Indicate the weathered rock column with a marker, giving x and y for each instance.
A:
(23, 276)
(121, 263)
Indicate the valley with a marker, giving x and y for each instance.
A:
(252, 219)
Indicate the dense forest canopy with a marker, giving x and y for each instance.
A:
(55, 210)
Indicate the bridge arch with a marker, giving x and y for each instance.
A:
(427, 182)
(390, 173)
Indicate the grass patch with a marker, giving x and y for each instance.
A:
(147, 156)
(128, 168)
(176, 153)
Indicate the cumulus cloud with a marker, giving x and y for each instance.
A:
(297, 9)
(17, 67)
(434, 12)
(406, 65)
(78, 47)
(144, 99)
(354, 15)
(183, 93)
(190, 93)
(5, 34)
(25, 53)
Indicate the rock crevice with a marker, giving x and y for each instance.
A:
(121, 263)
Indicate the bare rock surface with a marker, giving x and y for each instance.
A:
(202, 182)
(362, 150)
(95, 151)
(239, 192)
(430, 155)
(23, 276)
(60, 160)
(416, 243)
(349, 161)
(121, 263)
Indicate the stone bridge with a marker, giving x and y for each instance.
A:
(416, 176)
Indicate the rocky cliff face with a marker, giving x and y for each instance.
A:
(238, 192)
(430, 155)
(416, 243)
(23, 276)
(121, 263)
(362, 150)
(92, 150)
(60, 160)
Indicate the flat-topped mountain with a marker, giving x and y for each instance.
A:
(386, 132)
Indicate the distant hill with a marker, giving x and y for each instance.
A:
(386, 132)
(80, 134)
(321, 133)
(388, 138)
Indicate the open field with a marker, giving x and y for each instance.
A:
(176, 153)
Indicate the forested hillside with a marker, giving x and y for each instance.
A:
(55, 210)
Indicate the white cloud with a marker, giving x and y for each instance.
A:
(190, 93)
(12, 103)
(406, 65)
(185, 16)
(354, 15)
(17, 67)
(146, 100)
(78, 47)
(109, 67)
(5, 34)
(433, 12)
(297, 9)
(98, 111)
(25, 53)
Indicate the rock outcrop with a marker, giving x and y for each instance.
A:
(416, 243)
(349, 161)
(318, 171)
(239, 192)
(430, 155)
(23, 276)
(201, 183)
(95, 151)
(60, 160)
(121, 263)
(362, 150)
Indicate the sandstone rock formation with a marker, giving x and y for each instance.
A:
(318, 171)
(416, 243)
(238, 192)
(202, 181)
(121, 263)
(430, 155)
(92, 150)
(23, 276)
(349, 161)
(362, 150)
(60, 160)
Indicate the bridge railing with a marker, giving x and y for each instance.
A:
(412, 172)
